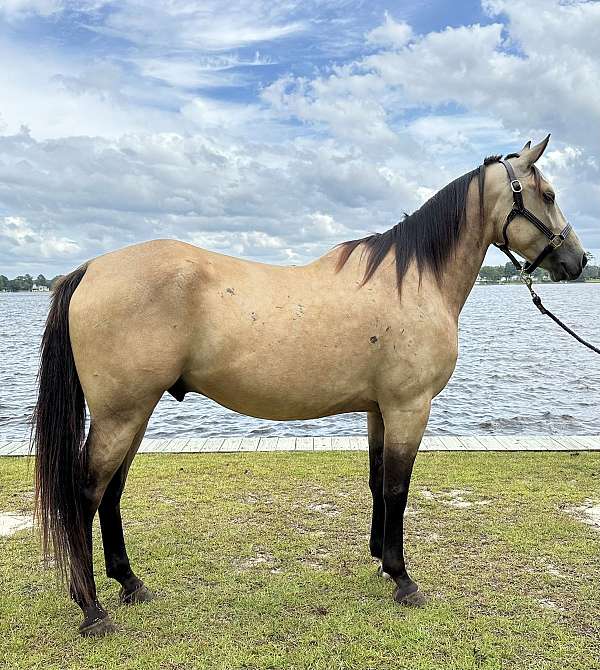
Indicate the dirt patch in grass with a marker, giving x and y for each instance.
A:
(328, 509)
(261, 559)
(11, 523)
(457, 498)
(589, 513)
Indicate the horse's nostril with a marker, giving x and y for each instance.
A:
(584, 261)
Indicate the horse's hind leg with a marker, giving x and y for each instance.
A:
(108, 444)
(133, 589)
(376, 433)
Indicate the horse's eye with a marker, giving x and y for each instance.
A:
(549, 197)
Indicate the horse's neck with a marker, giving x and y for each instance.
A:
(463, 266)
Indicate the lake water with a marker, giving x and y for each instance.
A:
(517, 373)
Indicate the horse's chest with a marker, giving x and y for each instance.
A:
(421, 356)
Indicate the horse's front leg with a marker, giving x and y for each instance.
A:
(404, 428)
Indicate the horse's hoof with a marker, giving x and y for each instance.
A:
(98, 628)
(412, 599)
(140, 595)
(381, 572)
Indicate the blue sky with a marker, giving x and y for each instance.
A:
(273, 130)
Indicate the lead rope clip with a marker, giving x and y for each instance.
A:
(528, 281)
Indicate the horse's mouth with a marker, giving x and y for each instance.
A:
(562, 273)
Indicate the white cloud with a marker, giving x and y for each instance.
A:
(56, 97)
(391, 33)
(323, 226)
(19, 239)
(20, 9)
(209, 26)
(463, 133)
(253, 243)
(355, 118)
(204, 72)
(212, 114)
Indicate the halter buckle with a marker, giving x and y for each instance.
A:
(516, 186)
(556, 241)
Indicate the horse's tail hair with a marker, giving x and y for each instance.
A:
(59, 442)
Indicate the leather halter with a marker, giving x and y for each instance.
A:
(519, 209)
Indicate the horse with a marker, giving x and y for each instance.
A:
(371, 326)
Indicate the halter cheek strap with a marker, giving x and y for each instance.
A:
(519, 209)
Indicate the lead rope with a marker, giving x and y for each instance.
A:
(537, 301)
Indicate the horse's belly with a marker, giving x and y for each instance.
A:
(265, 406)
(283, 392)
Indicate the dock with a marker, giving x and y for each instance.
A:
(224, 444)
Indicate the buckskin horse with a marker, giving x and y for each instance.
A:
(369, 327)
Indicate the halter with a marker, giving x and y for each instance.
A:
(525, 270)
(519, 209)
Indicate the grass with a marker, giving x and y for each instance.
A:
(261, 561)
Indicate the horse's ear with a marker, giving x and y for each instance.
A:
(531, 154)
(527, 146)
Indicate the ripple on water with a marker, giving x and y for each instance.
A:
(516, 373)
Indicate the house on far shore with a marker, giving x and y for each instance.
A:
(39, 287)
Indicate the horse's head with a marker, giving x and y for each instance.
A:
(527, 218)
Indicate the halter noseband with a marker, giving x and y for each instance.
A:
(519, 209)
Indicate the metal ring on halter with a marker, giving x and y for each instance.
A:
(513, 185)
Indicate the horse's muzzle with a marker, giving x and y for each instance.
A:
(567, 269)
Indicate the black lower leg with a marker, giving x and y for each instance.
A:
(376, 437)
(397, 473)
(83, 589)
(115, 553)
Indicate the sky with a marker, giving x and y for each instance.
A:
(274, 130)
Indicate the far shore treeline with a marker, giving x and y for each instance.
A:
(490, 274)
(26, 283)
(508, 272)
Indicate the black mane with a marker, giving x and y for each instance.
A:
(429, 235)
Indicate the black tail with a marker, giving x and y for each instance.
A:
(59, 440)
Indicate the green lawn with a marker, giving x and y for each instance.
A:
(261, 561)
